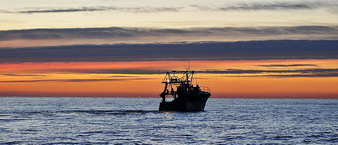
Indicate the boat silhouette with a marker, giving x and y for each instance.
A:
(186, 96)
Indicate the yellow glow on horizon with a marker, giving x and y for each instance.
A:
(86, 78)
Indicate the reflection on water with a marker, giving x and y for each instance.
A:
(136, 120)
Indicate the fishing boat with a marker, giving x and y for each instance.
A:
(185, 97)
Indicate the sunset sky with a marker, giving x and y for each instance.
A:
(122, 48)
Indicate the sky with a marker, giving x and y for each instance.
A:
(122, 48)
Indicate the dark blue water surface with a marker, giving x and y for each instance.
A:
(137, 121)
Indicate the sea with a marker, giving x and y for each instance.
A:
(45, 120)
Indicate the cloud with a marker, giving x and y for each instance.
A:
(286, 65)
(318, 72)
(117, 34)
(307, 75)
(112, 71)
(246, 50)
(145, 9)
(313, 73)
(257, 6)
(237, 6)
(72, 80)
(270, 6)
(22, 75)
(43, 37)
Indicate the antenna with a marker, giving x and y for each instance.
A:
(196, 80)
(188, 68)
(188, 64)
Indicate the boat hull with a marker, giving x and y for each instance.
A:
(184, 105)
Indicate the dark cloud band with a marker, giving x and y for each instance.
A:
(71, 80)
(251, 6)
(318, 72)
(256, 6)
(286, 65)
(117, 33)
(22, 75)
(145, 9)
(237, 72)
(246, 50)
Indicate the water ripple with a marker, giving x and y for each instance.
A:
(129, 121)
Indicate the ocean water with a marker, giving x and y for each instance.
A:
(137, 121)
